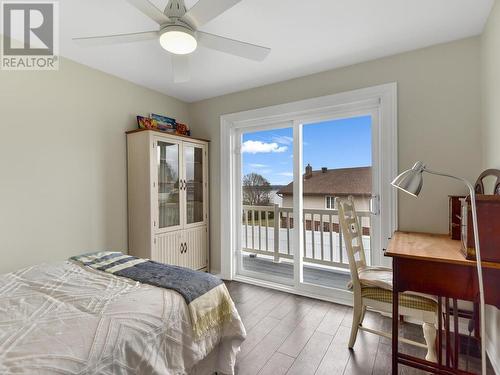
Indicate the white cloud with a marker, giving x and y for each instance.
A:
(286, 174)
(256, 165)
(283, 140)
(256, 147)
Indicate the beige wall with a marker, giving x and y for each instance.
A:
(490, 98)
(63, 161)
(490, 85)
(439, 110)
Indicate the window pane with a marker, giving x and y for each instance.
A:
(336, 162)
(168, 184)
(267, 216)
(193, 157)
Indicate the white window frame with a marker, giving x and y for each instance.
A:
(330, 198)
(383, 98)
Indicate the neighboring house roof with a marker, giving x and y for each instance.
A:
(344, 181)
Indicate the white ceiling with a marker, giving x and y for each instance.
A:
(306, 36)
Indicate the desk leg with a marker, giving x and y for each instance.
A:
(447, 330)
(395, 318)
(440, 332)
(457, 333)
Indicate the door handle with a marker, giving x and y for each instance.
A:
(375, 204)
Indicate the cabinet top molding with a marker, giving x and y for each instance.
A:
(165, 133)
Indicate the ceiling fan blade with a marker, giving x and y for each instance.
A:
(116, 39)
(233, 47)
(205, 10)
(150, 10)
(180, 68)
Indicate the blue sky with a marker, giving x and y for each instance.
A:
(332, 144)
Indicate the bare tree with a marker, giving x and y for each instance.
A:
(256, 190)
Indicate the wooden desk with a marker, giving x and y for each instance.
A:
(433, 264)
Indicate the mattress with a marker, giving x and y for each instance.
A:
(64, 318)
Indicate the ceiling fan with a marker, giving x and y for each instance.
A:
(179, 33)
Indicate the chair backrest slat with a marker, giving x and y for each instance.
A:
(352, 233)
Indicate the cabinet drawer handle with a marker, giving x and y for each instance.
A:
(183, 247)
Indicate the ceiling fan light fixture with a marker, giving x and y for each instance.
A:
(179, 40)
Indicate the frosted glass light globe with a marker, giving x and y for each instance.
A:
(178, 40)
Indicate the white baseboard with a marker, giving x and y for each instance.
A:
(339, 296)
(491, 350)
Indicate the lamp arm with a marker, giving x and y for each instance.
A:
(472, 193)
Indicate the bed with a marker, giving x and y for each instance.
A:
(66, 318)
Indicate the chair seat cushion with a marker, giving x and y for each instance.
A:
(408, 300)
(376, 284)
(378, 277)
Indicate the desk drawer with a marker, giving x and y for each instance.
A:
(445, 279)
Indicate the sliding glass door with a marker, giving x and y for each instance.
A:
(337, 162)
(289, 176)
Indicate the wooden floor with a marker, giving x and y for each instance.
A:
(288, 334)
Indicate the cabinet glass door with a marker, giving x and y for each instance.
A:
(168, 160)
(193, 160)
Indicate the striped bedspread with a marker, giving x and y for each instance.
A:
(206, 296)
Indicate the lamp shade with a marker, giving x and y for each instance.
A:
(178, 40)
(411, 180)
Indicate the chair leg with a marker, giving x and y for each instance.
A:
(357, 313)
(362, 319)
(430, 339)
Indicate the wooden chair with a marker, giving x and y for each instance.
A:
(372, 287)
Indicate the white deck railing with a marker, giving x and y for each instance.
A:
(268, 230)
